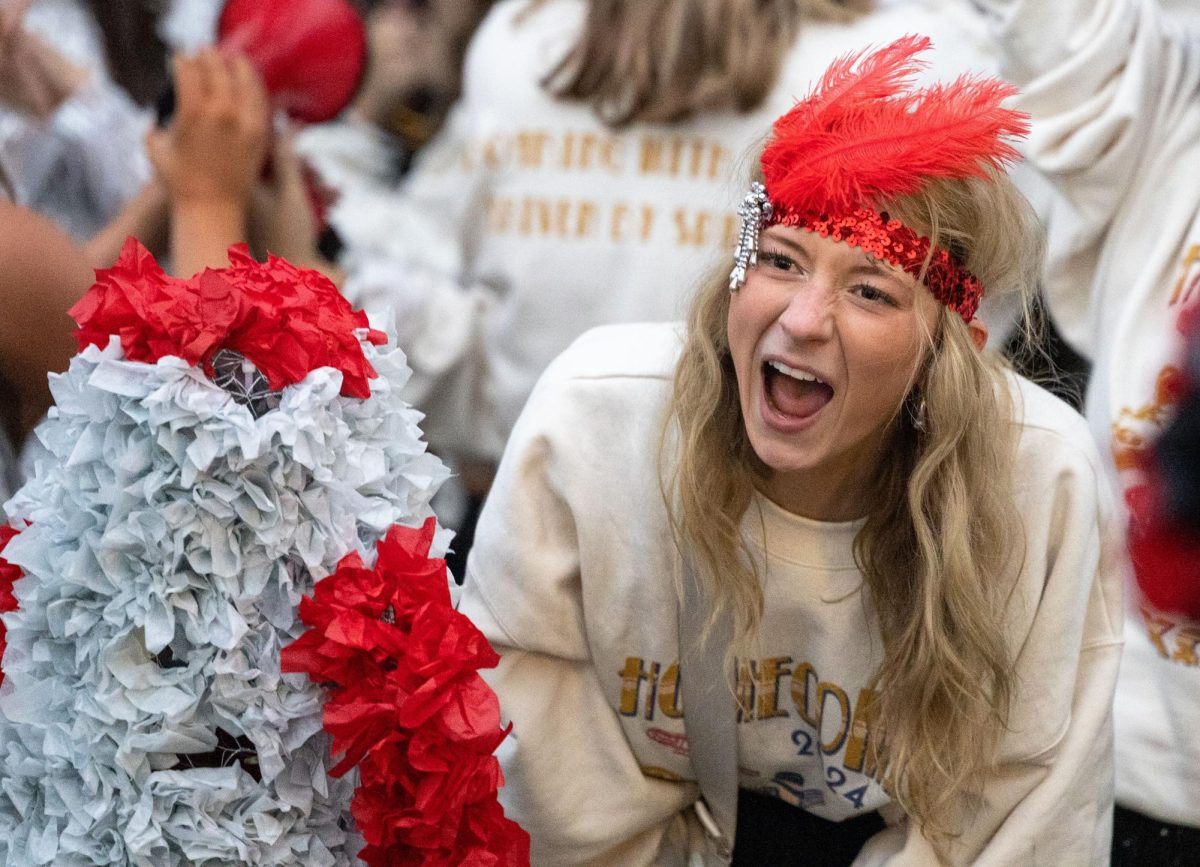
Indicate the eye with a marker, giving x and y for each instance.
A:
(874, 294)
(777, 260)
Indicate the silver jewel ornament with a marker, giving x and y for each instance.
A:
(755, 212)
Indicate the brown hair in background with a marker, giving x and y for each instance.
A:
(662, 61)
(136, 55)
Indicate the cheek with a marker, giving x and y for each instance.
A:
(743, 338)
(890, 352)
(881, 373)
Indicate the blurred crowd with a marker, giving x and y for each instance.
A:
(502, 181)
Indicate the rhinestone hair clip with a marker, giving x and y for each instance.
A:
(755, 212)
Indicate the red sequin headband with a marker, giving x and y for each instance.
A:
(863, 136)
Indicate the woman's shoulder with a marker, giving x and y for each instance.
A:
(629, 351)
(605, 396)
(1051, 432)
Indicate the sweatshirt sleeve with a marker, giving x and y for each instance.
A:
(93, 140)
(409, 255)
(1049, 802)
(571, 777)
(1105, 82)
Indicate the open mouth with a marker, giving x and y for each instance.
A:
(794, 393)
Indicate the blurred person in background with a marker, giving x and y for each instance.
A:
(1114, 90)
(414, 75)
(42, 273)
(78, 79)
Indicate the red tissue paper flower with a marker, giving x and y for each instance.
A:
(8, 576)
(288, 321)
(407, 707)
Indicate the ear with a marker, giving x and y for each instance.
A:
(979, 333)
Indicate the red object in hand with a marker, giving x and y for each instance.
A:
(312, 54)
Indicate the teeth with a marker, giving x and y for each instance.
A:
(793, 372)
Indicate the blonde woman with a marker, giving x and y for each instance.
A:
(814, 579)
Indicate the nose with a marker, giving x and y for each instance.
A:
(809, 313)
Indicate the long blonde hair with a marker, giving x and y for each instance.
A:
(662, 61)
(942, 538)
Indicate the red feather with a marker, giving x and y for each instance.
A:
(862, 137)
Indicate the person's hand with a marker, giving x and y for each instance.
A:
(211, 157)
(35, 79)
(213, 152)
(281, 215)
(145, 217)
(282, 218)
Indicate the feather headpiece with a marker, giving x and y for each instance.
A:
(864, 137)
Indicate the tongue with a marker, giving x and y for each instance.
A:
(797, 397)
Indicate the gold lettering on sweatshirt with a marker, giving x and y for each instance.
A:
(681, 157)
(826, 691)
(746, 687)
(668, 692)
(1156, 629)
(1174, 642)
(1185, 646)
(661, 692)
(1185, 289)
(770, 673)
(860, 752)
(650, 689)
(531, 148)
(571, 219)
(632, 676)
(804, 682)
(652, 682)
(1136, 427)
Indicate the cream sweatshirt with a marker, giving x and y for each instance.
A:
(572, 579)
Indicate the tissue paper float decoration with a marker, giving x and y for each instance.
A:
(8, 577)
(218, 447)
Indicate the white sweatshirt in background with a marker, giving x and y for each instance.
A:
(1114, 91)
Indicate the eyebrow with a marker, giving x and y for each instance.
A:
(874, 265)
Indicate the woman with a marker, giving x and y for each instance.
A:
(74, 80)
(1124, 267)
(902, 541)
